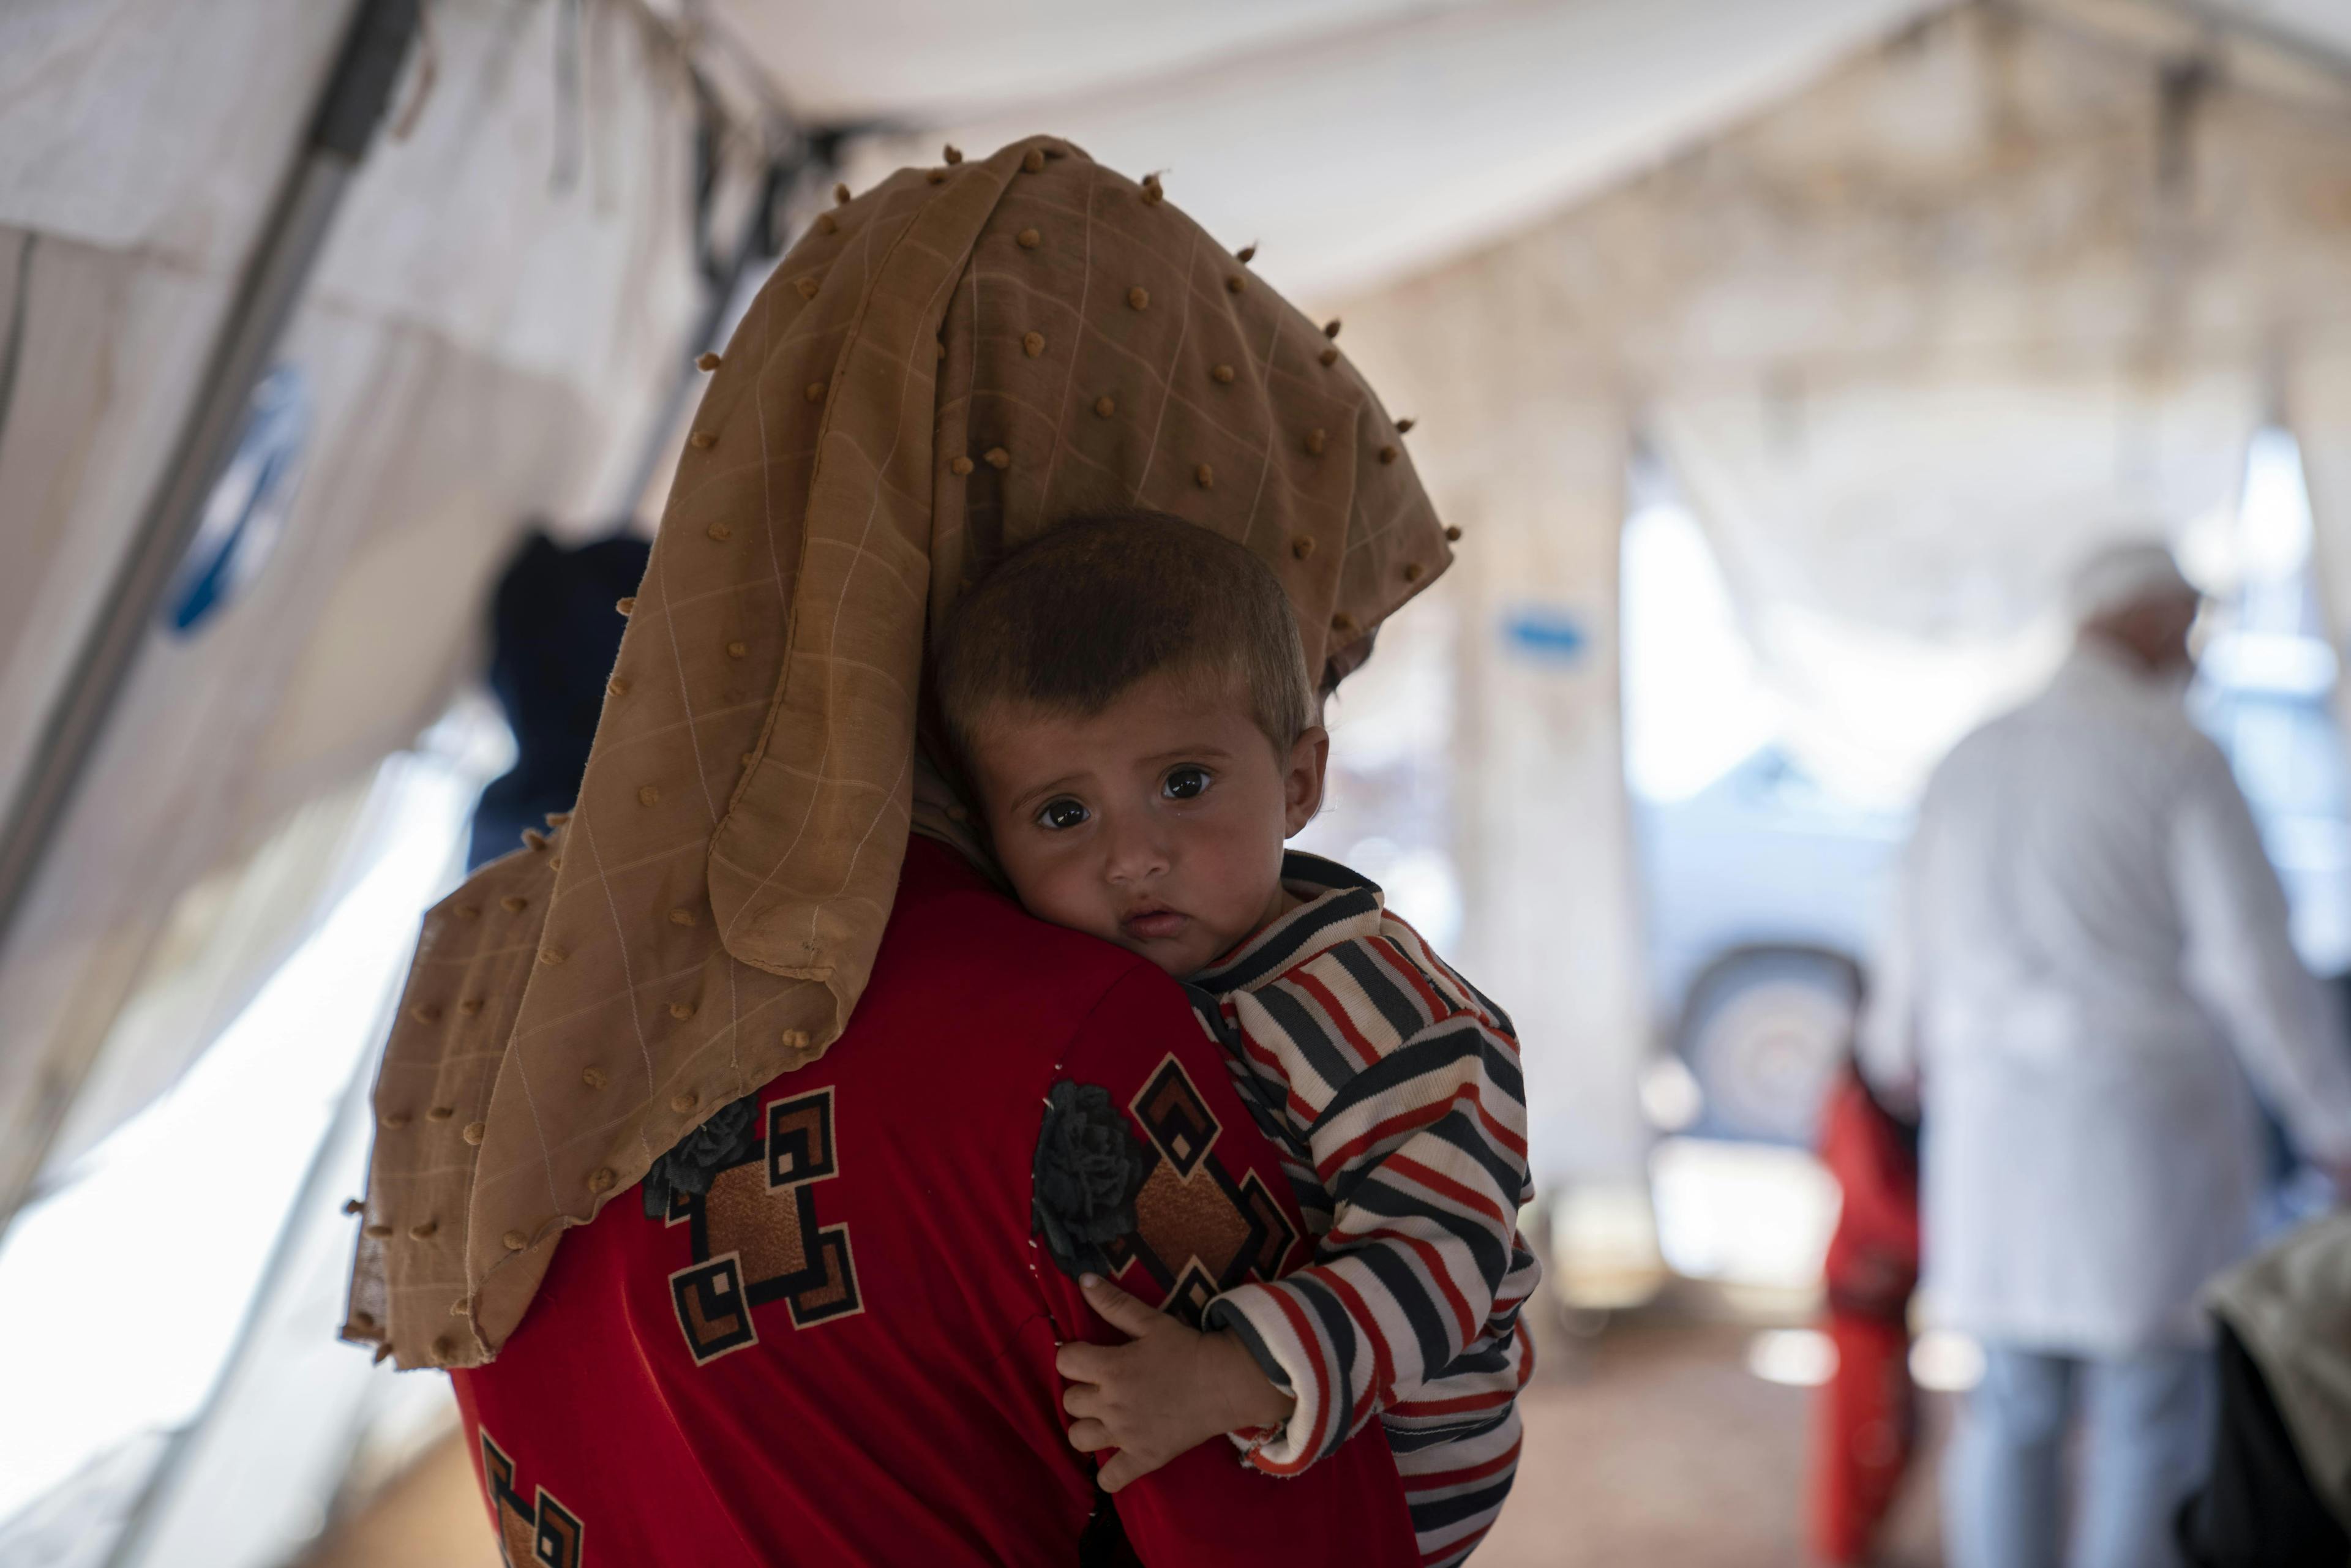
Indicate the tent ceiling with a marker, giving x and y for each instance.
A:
(1354, 140)
(1394, 137)
(2323, 24)
(466, 374)
(482, 341)
(930, 62)
(1912, 339)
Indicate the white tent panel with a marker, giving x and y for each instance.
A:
(458, 456)
(1897, 546)
(219, 935)
(481, 347)
(111, 350)
(1912, 340)
(1917, 339)
(2319, 411)
(1356, 156)
(154, 125)
(2323, 24)
(931, 60)
(497, 315)
(1526, 452)
(549, 238)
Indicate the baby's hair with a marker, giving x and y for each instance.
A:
(1071, 621)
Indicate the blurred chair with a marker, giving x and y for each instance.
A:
(2279, 1495)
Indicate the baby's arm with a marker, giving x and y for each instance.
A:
(1420, 1139)
(1477, 1389)
(1165, 1392)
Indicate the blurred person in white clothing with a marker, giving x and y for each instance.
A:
(2089, 968)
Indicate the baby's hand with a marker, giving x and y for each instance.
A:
(1168, 1391)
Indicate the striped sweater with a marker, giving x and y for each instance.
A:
(1394, 1088)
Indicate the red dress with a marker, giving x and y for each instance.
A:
(842, 1352)
(1867, 1421)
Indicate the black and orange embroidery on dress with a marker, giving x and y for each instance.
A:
(533, 1532)
(1197, 1232)
(755, 1238)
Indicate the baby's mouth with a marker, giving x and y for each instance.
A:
(1154, 924)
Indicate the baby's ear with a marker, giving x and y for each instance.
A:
(1302, 782)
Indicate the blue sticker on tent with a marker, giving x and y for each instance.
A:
(1546, 631)
(246, 510)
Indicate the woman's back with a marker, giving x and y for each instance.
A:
(801, 1365)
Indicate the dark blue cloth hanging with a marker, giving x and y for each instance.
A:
(555, 633)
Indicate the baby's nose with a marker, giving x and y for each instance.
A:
(1136, 853)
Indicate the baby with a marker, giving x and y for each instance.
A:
(1129, 700)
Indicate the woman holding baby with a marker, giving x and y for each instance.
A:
(913, 1109)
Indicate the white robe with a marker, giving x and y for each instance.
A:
(2089, 959)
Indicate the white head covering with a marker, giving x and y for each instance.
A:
(2118, 576)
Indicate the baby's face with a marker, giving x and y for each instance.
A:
(1156, 824)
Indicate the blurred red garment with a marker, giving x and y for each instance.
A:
(1866, 1423)
(823, 1330)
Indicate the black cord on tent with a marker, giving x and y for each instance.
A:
(2182, 86)
(723, 271)
(569, 128)
(710, 131)
(2248, 22)
(428, 72)
(11, 349)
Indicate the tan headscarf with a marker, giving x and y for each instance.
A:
(938, 371)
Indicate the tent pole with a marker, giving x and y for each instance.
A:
(348, 113)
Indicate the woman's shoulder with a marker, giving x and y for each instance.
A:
(956, 942)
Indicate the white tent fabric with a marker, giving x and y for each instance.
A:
(1897, 547)
(220, 935)
(1389, 138)
(2319, 407)
(1354, 140)
(141, 125)
(1914, 300)
(1528, 457)
(939, 63)
(1912, 342)
(1929, 428)
(134, 173)
(484, 341)
(488, 337)
(494, 322)
(2296, 24)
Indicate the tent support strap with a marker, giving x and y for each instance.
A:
(274, 276)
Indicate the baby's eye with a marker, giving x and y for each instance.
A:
(1061, 813)
(1185, 783)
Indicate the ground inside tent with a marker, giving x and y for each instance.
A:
(1656, 1443)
